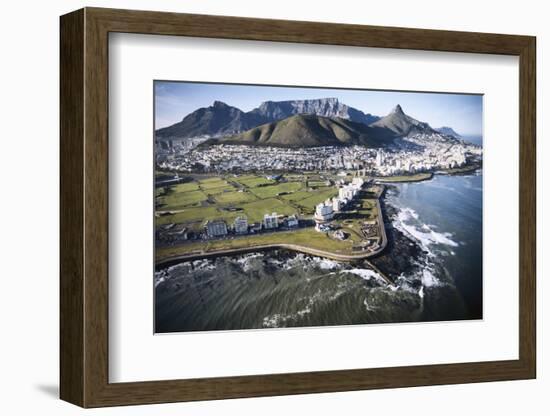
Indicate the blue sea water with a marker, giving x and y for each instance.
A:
(445, 215)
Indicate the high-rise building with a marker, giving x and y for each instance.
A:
(216, 228)
(271, 221)
(241, 225)
(379, 158)
(324, 211)
(337, 204)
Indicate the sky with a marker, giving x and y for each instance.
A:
(462, 112)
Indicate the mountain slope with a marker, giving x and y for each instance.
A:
(308, 130)
(401, 124)
(218, 119)
(448, 131)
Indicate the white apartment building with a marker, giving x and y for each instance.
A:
(324, 211)
(338, 204)
(241, 225)
(271, 221)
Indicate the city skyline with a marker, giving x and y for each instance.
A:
(463, 112)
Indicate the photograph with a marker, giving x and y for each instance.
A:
(294, 206)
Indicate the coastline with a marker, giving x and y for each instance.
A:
(460, 171)
(172, 257)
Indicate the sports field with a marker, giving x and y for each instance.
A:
(227, 197)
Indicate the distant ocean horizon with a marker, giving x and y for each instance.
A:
(474, 138)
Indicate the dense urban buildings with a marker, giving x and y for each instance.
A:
(405, 158)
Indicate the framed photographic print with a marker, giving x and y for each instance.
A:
(260, 207)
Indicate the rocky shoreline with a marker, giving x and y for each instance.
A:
(409, 250)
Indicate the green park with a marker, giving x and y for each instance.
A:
(226, 197)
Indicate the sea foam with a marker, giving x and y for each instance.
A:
(424, 233)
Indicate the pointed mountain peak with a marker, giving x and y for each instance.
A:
(397, 110)
(219, 104)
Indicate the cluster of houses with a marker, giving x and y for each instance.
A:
(325, 211)
(433, 156)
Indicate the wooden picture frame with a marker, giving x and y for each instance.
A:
(84, 207)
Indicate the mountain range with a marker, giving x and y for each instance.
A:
(298, 123)
(221, 119)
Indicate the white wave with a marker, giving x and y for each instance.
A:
(425, 275)
(326, 264)
(178, 267)
(366, 274)
(367, 307)
(160, 277)
(306, 261)
(424, 233)
(429, 279)
(294, 261)
(405, 283)
(204, 264)
(245, 261)
(272, 321)
(276, 320)
(274, 262)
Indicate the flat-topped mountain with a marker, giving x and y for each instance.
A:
(326, 107)
(309, 130)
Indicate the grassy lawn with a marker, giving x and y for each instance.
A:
(274, 190)
(317, 184)
(185, 187)
(211, 183)
(255, 210)
(174, 201)
(464, 169)
(190, 215)
(306, 236)
(251, 181)
(296, 196)
(406, 178)
(234, 197)
(218, 189)
(318, 196)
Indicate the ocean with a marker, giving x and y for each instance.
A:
(434, 257)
